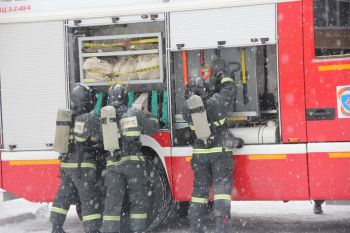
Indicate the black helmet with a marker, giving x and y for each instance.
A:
(197, 86)
(117, 95)
(219, 67)
(81, 99)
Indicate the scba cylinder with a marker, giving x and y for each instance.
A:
(63, 124)
(110, 128)
(199, 117)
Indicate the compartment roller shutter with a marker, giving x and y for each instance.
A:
(238, 26)
(32, 82)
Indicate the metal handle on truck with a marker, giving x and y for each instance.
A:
(317, 114)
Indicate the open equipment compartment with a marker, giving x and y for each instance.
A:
(131, 58)
(254, 113)
(128, 51)
(249, 48)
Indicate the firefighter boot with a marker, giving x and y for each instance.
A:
(57, 229)
(221, 225)
(318, 207)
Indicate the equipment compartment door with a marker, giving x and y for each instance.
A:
(33, 84)
(327, 70)
(236, 26)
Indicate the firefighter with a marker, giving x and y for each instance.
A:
(211, 162)
(78, 166)
(126, 172)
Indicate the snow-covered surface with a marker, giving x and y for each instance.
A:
(21, 216)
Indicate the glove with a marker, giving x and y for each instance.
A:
(62, 157)
(238, 143)
(147, 113)
(116, 154)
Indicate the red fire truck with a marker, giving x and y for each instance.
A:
(290, 61)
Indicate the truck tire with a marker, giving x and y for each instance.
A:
(160, 198)
(160, 202)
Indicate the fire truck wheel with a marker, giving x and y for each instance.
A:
(159, 195)
(160, 202)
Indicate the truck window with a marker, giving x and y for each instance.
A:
(332, 28)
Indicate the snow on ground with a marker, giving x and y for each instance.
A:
(290, 217)
(21, 216)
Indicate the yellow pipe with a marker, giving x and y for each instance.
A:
(244, 77)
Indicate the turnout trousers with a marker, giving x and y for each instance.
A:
(128, 178)
(81, 184)
(210, 169)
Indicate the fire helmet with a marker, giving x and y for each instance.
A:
(117, 95)
(81, 99)
(197, 86)
(219, 67)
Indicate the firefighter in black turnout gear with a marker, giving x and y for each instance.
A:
(126, 172)
(212, 161)
(78, 166)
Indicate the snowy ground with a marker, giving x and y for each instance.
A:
(20, 216)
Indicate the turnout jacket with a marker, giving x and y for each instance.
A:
(133, 123)
(85, 138)
(218, 106)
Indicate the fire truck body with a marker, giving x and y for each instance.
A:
(298, 144)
